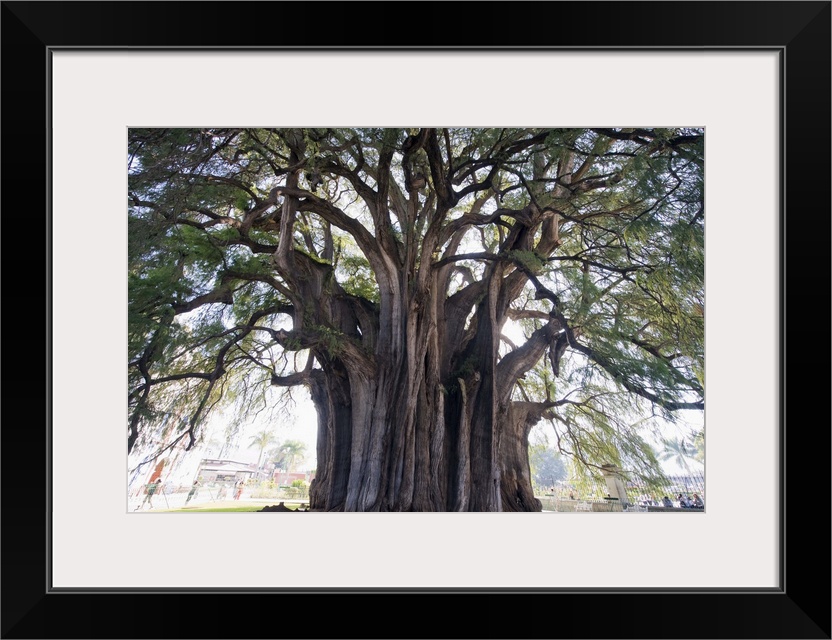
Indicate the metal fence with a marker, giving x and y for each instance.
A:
(592, 495)
(684, 485)
(566, 505)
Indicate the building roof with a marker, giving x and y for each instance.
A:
(226, 466)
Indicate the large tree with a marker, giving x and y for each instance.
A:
(546, 465)
(387, 270)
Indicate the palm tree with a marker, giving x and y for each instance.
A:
(292, 452)
(262, 440)
(678, 451)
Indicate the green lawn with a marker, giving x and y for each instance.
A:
(223, 509)
(208, 509)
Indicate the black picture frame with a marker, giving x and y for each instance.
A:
(799, 608)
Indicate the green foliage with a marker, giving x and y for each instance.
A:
(699, 446)
(353, 270)
(331, 340)
(533, 261)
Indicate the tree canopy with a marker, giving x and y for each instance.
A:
(437, 291)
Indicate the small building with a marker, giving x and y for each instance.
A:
(228, 471)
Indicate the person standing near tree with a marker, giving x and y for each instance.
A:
(239, 490)
(192, 493)
(149, 490)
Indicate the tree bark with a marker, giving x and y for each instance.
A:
(407, 438)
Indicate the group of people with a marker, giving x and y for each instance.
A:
(152, 488)
(685, 502)
(238, 490)
(682, 501)
(691, 503)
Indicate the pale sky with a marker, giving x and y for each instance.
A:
(301, 425)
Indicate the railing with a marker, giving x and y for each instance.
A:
(639, 494)
(553, 503)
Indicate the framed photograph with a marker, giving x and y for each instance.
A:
(753, 78)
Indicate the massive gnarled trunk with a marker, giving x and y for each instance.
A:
(405, 437)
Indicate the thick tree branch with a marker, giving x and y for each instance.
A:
(519, 361)
(222, 294)
(294, 379)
